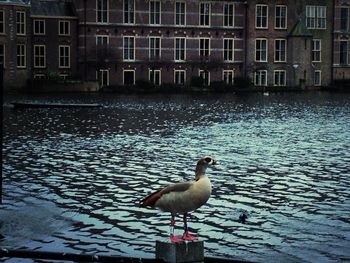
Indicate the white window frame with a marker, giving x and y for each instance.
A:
(281, 18)
(130, 56)
(204, 15)
(129, 12)
(39, 55)
(157, 73)
(3, 54)
(2, 22)
(226, 53)
(341, 28)
(39, 27)
(182, 16)
(104, 12)
(258, 78)
(228, 72)
(261, 50)
(64, 56)
(155, 18)
(61, 25)
(280, 52)
(320, 78)
(279, 73)
(229, 18)
(179, 71)
(21, 23)
(182, 47)
(346, 52)
(261, 18)
(204, 47)
(316, 50)
(22, 57)
(153, 50)
(316, 17)
(206, 81)
(129, 70)
(39, 76)
(100, 78)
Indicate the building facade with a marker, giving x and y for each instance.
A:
(163, 42)
(279, 43)
(341, 62)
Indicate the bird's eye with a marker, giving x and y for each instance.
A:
(208, 160)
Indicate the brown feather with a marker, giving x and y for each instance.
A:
(151, 199)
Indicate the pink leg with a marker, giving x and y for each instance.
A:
(173, 238)
(186, 235)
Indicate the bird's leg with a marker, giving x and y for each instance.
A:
(173, 238)
(186, 235)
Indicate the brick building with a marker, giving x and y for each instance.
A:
(341, 62)
(276, 43)
(164, 42)
(15, 39)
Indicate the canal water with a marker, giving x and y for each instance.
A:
(73, 178)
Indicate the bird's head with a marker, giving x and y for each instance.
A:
(202, 165)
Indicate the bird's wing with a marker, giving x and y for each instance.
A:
(153, 198)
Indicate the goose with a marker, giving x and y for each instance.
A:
(183, 197)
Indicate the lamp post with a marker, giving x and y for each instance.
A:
(295, 66)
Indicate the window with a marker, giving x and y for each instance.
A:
(39, 27)
(260, 78)
(39, 76)
(21, 56)
(281, 17)
(317, 78)
(179, 77)
(39, 56)
(2, 54)
(343, 59)
(129, 48)
(261, 16)
(154, 76)
(316, 17)
(129, 15)
(21, 22)
(204, 14)
(279, 78)
(103, 77)
(205, 75)
(102, 11)
(280, 50)
(154, 12)
(64, 28)
(344, 18)
(261, 50)
(2, 22)
(154, 48)
(228, 77)
(180, 47)
(64, 56)
(316, 50)
(228, 49)
(180, 13)
(204, 47)
(102, 45)
(229, 15)
(129, 77)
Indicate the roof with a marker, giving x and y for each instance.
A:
(52, 9)
(300, 30)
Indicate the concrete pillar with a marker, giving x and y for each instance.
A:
(180, 252)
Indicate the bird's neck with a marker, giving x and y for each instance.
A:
(200, 172)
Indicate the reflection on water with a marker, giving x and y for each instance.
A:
(284, 160)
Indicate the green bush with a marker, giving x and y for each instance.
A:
(197, 81)
(243, 82)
